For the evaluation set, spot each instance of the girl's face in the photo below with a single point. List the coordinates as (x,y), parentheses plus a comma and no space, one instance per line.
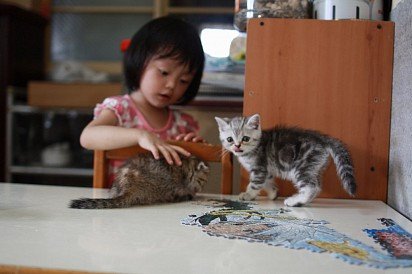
(164,81)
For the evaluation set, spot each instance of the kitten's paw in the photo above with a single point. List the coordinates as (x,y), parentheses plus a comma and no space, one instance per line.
(272,195)
(246,196)
(293,201)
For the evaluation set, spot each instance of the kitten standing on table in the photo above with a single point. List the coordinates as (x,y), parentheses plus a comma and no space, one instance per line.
(294,154)
(163,65)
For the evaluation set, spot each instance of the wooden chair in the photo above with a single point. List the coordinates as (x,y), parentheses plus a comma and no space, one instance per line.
(206,152)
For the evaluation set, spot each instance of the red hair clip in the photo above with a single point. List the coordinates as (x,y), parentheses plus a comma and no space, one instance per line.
(125,44)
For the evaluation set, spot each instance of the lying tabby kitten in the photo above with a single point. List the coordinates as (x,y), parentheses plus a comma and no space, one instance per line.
(294,154)
(144,180)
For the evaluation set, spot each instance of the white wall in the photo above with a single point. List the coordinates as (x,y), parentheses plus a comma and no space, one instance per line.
(400,160)
(395,3)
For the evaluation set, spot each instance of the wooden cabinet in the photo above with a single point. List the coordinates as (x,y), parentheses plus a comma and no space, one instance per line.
(43,131)
(21,57)
(332,76)
(42,141)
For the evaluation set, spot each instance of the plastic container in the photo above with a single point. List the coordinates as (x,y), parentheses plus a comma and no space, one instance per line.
(246,9)
(348,9)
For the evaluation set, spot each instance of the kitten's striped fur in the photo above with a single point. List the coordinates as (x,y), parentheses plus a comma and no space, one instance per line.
(144,180)
(291,153)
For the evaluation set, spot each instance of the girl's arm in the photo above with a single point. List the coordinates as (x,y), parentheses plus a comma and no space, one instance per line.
(104,133)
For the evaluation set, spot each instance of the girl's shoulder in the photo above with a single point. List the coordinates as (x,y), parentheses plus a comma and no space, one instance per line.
(123,107)
(116,100)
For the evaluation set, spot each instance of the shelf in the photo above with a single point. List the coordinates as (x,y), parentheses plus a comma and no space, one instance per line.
(103,9)
(200,10)
(39,170)
(61,110)
(212,102)
(44,94)
(141,10)
(16,107)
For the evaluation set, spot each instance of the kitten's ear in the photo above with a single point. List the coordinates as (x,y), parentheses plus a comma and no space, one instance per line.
(202,166)
(222,123)
(253,121)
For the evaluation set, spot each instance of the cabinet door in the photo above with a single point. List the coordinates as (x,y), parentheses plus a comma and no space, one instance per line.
(332,76)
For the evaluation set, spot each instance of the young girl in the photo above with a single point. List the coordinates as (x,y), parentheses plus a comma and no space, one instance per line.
(163,65)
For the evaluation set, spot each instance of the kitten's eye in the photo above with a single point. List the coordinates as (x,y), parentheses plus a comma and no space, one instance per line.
(229,139)
(245,139)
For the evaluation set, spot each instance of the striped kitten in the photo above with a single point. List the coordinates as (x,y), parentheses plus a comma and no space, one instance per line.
(290,153)
(143,180)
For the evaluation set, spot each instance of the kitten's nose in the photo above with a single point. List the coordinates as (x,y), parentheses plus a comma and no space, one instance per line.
(238,146)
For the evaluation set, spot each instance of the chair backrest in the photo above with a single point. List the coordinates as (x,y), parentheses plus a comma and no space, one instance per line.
(206,152)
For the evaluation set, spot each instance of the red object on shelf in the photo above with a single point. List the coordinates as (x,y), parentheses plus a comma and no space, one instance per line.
(45,8)
(124,44)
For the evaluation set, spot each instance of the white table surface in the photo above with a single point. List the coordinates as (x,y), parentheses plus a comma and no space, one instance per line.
(37,229)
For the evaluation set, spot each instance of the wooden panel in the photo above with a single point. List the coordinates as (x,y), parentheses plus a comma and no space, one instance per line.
(51,94)
(332,76)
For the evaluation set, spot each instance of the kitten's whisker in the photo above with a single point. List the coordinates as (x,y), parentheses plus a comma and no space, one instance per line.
(217,153)
(223,152)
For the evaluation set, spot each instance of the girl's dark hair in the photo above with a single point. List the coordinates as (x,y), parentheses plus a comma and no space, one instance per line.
(165,37)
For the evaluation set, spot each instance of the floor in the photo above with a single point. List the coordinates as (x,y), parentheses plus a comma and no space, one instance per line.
(37,229)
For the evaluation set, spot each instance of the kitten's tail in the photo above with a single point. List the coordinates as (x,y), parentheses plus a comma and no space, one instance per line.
(343,163)
(102,203)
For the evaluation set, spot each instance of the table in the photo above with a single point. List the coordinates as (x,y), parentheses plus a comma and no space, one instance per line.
(38,230)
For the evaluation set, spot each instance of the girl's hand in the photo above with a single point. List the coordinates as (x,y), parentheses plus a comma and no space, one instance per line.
(157,146)
(190,137)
